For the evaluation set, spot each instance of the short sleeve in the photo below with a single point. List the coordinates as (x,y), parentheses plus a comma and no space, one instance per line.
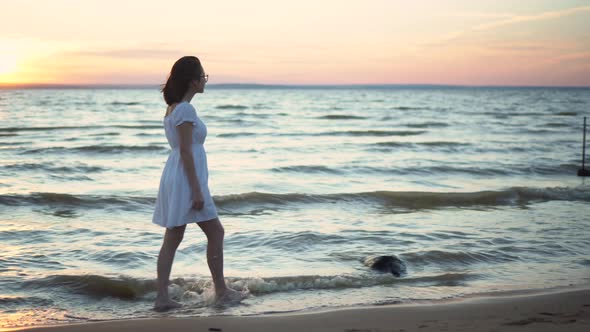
(185,112)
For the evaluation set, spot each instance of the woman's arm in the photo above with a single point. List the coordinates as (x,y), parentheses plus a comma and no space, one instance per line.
(186,154)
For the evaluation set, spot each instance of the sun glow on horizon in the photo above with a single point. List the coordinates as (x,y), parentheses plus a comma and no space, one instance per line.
(8,67)
(487,42)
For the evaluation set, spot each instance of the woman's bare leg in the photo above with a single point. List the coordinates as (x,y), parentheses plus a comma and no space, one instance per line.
(172,239)
(215,233)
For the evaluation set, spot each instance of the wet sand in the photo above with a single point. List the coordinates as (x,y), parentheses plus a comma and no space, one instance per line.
(559,310)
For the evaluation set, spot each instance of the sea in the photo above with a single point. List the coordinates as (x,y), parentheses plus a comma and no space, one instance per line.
(475,189)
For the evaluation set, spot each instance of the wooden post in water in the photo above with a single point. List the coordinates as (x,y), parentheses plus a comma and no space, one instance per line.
(583,171)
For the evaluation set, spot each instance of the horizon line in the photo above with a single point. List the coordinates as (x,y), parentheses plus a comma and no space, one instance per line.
(265,85)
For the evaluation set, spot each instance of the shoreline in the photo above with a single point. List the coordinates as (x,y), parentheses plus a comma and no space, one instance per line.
(558,309)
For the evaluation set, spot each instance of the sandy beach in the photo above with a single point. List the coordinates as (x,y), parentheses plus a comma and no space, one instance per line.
(562,310)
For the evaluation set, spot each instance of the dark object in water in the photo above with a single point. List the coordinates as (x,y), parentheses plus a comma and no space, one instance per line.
(387,264)
(583,171)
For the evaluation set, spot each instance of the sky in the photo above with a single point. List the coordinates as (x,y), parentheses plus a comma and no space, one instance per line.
(460,42)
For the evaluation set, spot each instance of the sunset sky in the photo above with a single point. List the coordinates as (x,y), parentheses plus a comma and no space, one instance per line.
(466,42)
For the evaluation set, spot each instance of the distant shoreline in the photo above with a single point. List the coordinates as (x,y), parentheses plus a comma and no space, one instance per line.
(281,86)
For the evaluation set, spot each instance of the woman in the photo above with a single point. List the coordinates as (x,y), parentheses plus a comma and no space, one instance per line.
(183,196)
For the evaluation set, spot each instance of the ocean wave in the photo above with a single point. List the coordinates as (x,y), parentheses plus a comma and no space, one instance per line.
(145,135)
(285,240)
(556,125)
(107,134)
(68,177)
(567,113)
(262,286)
(341,117)
(417,200)
(33,301)
(408,108)
(358,133)
(437,144)
(502,114)
(231,107)
(17,129)
(471,170)
(576,101)
(456,258)
(125,259)
(370,133)
(254,114)
(32,261)
(14,144)
(5,130)
(125,103)
(25,236)
(540,131)
(99,149)
(97,286)
(241,134)
(307,169)
(68,200)
(136,126)
(409,170)
(52,167)
(427,125)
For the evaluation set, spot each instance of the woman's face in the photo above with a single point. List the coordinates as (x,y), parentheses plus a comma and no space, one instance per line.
(200,83)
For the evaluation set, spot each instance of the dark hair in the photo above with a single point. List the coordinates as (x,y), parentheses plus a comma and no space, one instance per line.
(183,71)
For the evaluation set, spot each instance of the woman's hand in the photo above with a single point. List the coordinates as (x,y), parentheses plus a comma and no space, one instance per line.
(197,200)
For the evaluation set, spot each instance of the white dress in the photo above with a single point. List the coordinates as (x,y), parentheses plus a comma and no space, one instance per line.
(174,201)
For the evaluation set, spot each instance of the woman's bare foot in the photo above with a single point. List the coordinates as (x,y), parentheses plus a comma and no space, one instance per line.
(165,305)
(229,296)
